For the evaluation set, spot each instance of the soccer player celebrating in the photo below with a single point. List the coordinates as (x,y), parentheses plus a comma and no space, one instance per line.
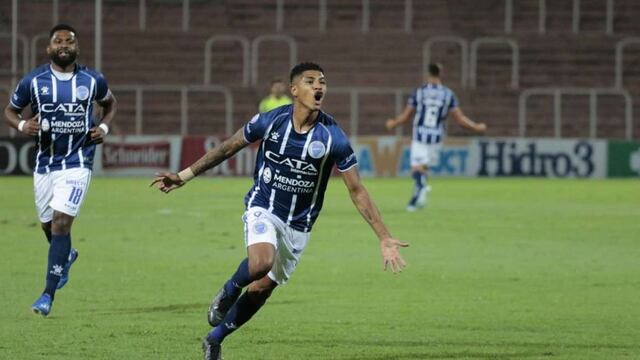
(429,106)
(62,96)
(299,145)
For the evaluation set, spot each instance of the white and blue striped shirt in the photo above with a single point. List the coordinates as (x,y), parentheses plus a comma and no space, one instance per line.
(432,103)
(292,169)
(65,109)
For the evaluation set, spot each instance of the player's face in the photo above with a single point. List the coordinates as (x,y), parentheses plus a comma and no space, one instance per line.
(63,48)
(309,89)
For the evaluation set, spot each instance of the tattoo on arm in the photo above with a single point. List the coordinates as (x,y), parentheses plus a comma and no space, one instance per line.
(367,216)
(220,153)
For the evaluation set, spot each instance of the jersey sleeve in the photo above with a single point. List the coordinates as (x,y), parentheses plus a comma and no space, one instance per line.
(21,97)
(102,88)
(454,101)
(344,156)
(412,101)
(256,128)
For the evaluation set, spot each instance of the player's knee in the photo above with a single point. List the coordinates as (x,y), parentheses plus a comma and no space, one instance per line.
(260,266)
(61,223)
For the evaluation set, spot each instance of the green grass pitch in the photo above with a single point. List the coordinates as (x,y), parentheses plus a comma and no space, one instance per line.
(497,269)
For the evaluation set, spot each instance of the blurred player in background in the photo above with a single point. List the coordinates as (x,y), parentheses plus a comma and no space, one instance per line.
(428,107)
(299,145)
(276,98)
(62,96)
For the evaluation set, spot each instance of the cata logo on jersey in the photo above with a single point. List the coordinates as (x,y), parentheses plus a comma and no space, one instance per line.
(295,165)
(69,109)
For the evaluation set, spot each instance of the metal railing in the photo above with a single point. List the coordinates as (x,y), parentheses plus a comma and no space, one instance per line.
(25,54)
(464,58)
(142,15)
(365,25)
(244,42)
(515,58)
(255,47)
(184,91)
(542,16)
(619,70)
(354,93)
(33,52)
(557,107)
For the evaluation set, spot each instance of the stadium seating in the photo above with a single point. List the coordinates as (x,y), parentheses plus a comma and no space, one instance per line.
(379,50)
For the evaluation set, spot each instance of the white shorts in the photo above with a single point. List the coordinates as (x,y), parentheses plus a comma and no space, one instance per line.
(61,190)
(425,154)
(261,226)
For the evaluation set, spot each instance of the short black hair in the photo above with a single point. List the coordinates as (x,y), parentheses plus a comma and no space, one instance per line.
(276,80)
(302,67)
(62,27)
(434,69)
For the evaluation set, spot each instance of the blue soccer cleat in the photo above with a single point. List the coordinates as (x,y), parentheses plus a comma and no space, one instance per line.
(219,306)
(212,350)
(73,255)
(43,305)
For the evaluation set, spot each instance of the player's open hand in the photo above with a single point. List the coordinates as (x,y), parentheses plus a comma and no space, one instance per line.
(391,257)
(390,124)
(97,135)
(481,127)
(31,126)
(166,182)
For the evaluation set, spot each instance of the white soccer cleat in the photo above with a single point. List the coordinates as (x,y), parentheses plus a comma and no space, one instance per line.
(422,197)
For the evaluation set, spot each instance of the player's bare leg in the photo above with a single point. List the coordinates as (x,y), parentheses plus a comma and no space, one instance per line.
(260,258)
(247,305)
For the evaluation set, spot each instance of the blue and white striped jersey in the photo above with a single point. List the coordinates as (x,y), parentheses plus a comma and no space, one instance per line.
(65,108)
(432,103)
(292,169)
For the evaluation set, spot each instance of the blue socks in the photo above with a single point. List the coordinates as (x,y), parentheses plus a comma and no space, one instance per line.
(239,314)
(58,256)
(239,280)
(420,182)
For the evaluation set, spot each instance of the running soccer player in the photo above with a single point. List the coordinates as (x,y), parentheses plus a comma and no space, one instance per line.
(429,106)
(299,145)
(62,96)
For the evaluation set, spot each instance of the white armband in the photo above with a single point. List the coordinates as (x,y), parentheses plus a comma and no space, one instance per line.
(104,128)
(21,125)
(186,174)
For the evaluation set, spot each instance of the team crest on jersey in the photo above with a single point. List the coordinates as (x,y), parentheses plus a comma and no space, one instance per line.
(274,136)
(82,92)
(316,149)
(266,175)
(44,125)
(44,90)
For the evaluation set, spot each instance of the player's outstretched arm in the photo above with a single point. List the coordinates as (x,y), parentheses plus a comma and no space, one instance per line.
(389,246)
(167,182)
(467,123)
(404,116)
